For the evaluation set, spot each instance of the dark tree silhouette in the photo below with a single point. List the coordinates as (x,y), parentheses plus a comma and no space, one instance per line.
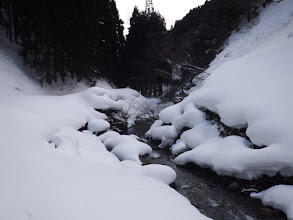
(139,60)
(79,38)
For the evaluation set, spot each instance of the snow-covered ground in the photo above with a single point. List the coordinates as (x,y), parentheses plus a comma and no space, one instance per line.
(51,170)
(249,84)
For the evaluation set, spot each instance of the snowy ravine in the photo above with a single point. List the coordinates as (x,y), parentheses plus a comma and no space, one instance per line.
(249,84)
(54,166)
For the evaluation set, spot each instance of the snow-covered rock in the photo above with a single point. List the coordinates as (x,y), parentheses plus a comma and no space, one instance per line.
(179,147)
(249,84)
(50,170)
(126,147)
(279,197)
(98,125)
(199,134)
(159,172)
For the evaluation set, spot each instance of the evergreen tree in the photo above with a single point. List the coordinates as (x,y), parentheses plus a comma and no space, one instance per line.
(145,28)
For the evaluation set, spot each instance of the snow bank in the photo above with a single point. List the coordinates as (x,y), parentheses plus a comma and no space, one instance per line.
(14,81)
(17,79)
(50,170)
(250,84)
(255,89)
(279,197)
(233,156)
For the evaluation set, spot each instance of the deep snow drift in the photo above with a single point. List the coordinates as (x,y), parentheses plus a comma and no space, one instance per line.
(248,84)
(51,170)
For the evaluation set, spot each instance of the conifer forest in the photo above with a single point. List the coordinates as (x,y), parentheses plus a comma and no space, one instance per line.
(84,40)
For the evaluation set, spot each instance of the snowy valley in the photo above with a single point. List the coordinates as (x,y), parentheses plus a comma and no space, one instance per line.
(60,157)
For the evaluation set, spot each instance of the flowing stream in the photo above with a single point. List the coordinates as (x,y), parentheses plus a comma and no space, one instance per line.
(216,197)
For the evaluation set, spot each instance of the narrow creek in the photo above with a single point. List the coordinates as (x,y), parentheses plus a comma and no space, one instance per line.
(206,190)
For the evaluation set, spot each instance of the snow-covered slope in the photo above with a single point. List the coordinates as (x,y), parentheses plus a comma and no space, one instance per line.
(52,170)
(249,84)
(14,79)
(17,79)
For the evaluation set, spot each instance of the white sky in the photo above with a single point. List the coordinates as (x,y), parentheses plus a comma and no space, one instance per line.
(171,10)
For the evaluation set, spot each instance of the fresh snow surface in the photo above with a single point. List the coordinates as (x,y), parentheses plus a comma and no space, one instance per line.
(279,197)
(51,170)
(249,84)
(14,81)
(162,173)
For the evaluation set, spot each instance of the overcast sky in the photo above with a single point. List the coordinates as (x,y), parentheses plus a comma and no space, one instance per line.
(171,10)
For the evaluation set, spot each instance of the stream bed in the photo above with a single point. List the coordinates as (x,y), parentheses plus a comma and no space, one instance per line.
(219,198)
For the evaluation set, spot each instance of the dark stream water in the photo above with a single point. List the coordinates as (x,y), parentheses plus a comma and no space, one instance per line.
(216,197)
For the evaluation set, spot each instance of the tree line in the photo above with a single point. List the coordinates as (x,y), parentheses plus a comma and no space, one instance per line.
(81,39)
(201,34)
(84,39)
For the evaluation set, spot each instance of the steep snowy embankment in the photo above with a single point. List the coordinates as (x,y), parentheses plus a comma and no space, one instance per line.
(250,84)
(14,81)
(52,170)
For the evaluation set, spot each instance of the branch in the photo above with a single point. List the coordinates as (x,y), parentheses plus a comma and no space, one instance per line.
(188,66)
(162,71)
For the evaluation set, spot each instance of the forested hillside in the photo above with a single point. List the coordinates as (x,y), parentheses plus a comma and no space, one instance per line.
(155,57)
(200,35)
(81,39)
(84,40)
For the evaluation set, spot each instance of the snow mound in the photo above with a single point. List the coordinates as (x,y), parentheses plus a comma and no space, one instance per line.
(50,170)
(279,197)
(229,156)
(159,172)
(178,147)
(107,135)
(166,134)
(130,103)
(98,125)
(199,134)
(126,147)
(103,99)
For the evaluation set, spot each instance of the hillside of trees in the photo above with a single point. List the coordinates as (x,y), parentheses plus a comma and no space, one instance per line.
(154,57)
(199,36)
(84,39)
